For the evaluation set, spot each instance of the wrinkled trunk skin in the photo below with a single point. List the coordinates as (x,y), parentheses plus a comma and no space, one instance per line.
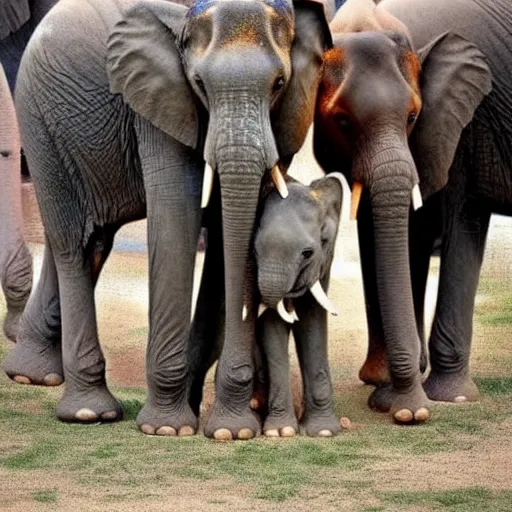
(15,260)
(391,198)
(274,283)
(236,149)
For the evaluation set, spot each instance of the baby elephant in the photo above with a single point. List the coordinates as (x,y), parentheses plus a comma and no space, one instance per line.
(294,247)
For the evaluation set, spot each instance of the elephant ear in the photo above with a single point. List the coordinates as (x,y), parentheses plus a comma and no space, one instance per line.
(144,66)
(329,193)
(455,78)
(295,115)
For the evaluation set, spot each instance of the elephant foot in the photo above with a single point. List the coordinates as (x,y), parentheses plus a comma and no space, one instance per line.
(281,425)
(451,387)
(375,370)
(409,407)
(35,363)
(320,424)
(11,322)
(225,425)
(94,404)
(155,421)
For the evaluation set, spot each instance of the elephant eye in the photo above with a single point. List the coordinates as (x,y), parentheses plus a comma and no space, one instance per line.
(411,118)
(307,254)
(200,84)
(278,84)
(344,123)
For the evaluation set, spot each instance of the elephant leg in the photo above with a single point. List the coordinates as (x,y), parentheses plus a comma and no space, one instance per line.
(464,234)
(37,358)
(208,325)
(375,369)
(86,397)
(273,334)
(424,228)
(172,178)
(310,334)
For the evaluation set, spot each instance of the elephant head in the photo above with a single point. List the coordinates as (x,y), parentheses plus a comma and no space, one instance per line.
(294,241)
(390,118)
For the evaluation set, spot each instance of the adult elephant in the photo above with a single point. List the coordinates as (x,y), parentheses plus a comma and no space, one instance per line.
(417,92)
(15,260)
(232,83)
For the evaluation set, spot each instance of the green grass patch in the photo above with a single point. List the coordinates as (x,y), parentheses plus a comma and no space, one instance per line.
(37,456)
(463,500)
(494,386)
(49,496)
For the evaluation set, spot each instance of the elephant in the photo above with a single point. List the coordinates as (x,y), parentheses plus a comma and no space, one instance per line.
(293,249)
(117,122)
(414,106)
(15,259)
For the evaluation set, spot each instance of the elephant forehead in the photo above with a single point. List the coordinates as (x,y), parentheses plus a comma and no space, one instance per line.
(201,6)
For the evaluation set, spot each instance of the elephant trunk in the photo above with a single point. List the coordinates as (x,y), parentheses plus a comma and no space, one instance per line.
(274,282)
(390,195)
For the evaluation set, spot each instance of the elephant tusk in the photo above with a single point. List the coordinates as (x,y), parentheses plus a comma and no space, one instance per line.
(345,205)
(207,185)
(357,190)
(244,313)
(279,182)
(318,292)
(261,309)
(417,201)
(294,315)
(287,317)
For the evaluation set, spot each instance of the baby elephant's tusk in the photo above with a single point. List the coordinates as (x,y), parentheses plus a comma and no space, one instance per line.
(294,315)
(318,292)
(346,199)
(417,201)
(261,309)
(357,190)
(279,182)
(287,317)
(207,185)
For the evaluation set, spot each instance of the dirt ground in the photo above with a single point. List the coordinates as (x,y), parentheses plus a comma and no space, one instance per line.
(122,303)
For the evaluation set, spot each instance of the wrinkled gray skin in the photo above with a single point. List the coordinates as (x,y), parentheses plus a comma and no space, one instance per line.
(201,84)
(15,260)
(294,247)
(368,125)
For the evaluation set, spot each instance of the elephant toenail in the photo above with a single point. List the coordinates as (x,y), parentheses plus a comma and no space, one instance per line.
(324,433)
(86,415)
(460,399)
(245,433)
(21,379)
(403,416)
(53,379)
(223,434)
(422,414)
(147,429)
(273,432)
(166,431)
(110,415)
(186,430)
(288,432)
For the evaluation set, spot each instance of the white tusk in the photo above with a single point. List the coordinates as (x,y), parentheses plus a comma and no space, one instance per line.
(207,185)
(357,190)
(261,309)
(417,201)
(279,182)
(345,205)
(283,313)
(294,314)
(318,292)
(244,313)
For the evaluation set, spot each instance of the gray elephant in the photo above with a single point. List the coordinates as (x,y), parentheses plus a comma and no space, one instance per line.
(416,105)
(15,259)
(117,121)
(294,248)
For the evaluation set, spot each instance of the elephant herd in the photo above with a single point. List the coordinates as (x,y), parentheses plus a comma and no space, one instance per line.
(190,114)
